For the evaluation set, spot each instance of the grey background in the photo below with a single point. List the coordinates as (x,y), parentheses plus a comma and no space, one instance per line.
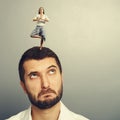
(86,36)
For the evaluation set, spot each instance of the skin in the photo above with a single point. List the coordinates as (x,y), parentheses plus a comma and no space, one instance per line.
(41,75)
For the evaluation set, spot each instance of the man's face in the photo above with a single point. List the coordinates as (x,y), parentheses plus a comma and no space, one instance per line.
(43,82)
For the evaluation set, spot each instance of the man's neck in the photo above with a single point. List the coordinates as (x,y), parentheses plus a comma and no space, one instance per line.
(46,114)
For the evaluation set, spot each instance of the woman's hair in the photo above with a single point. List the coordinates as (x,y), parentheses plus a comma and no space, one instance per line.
(39,10)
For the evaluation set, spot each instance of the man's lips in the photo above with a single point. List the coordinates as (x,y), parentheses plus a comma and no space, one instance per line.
(47,92)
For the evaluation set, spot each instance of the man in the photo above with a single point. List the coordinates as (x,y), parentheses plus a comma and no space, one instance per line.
(40,73)
(39,32)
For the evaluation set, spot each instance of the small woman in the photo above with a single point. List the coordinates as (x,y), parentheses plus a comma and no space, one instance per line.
(39,32)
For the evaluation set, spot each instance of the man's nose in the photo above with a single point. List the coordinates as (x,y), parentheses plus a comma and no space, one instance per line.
(45,82)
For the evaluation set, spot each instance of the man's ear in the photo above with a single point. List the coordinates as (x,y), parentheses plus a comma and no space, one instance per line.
(23,86)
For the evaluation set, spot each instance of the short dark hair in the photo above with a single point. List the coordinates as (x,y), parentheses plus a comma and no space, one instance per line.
(37,54)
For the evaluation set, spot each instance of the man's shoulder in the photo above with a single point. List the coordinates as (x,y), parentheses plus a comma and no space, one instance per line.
(20,115)
(71,115)
(78,116)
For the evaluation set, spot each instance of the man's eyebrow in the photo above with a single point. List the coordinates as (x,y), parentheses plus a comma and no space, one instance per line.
(52,66)
(34,72)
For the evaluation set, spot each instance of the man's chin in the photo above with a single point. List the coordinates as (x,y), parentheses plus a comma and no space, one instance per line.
(47,103)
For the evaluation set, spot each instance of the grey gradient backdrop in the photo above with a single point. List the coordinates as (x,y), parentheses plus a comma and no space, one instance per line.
(86,36)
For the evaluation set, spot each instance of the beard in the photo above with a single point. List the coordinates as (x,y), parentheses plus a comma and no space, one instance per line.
(48,103)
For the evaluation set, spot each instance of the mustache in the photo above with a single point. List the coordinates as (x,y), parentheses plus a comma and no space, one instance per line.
(46,91)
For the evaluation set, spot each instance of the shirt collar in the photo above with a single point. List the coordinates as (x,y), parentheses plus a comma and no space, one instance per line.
(64,115)
(62,112)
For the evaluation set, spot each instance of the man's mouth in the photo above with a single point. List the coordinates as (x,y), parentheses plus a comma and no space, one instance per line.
(47,93)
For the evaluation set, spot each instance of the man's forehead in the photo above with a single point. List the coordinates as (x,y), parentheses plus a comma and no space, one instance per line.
(43,62)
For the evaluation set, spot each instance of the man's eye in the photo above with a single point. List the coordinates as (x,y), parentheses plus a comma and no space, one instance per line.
(33,76)
(52,71)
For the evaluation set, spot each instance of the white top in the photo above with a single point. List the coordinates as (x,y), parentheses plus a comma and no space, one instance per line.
(41,23)
(65,114)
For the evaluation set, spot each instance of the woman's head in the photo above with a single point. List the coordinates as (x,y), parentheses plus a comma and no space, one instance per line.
(41,10)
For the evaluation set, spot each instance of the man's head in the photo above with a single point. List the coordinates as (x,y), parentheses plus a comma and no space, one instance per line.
(40,73)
